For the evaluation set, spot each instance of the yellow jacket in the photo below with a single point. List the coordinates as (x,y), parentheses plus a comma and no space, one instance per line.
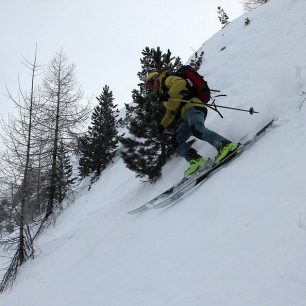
(177,89)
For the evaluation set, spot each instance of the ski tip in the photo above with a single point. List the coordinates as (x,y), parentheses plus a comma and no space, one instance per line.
(137,210)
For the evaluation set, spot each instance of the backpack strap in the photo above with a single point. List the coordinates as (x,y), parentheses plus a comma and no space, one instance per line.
(163,82)
(187,95)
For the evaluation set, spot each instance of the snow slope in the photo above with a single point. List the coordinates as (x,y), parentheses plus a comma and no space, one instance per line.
(239,239)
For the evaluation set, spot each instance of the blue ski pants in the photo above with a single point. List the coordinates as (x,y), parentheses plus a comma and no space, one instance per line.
(193,124)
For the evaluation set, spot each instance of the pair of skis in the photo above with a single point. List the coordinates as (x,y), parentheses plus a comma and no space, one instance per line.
(179,190)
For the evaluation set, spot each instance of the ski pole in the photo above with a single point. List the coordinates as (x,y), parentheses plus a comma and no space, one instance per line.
(251,110)
(214,106)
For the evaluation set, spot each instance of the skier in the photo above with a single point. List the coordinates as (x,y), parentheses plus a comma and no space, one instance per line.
(171,90)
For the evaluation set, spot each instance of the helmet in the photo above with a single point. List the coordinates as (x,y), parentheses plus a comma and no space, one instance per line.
(151,75)
(152,81)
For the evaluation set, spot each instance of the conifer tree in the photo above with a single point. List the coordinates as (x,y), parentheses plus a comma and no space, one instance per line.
(197,60)
(85,156)
(145,151)
(222,17)
(65,179)
(100,144)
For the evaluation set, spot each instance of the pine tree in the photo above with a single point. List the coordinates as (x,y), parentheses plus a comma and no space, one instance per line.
(197,60)
(85,156)
(222,17)
(145,151)
(65,179)
(100,144)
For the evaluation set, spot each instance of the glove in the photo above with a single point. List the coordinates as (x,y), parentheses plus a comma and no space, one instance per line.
(163,97)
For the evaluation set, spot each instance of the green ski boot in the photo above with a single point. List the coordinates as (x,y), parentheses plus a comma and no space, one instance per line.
(196,161)
(225,151)
(195,165)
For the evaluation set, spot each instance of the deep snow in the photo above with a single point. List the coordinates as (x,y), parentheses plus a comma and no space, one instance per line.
(239,239)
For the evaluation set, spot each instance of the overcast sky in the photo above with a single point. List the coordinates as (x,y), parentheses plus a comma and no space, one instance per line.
(104,39)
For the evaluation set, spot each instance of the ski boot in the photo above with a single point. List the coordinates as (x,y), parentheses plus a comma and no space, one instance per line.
(196,162)
(225,151)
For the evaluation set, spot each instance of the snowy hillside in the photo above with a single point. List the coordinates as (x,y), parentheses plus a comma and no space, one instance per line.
(240,238)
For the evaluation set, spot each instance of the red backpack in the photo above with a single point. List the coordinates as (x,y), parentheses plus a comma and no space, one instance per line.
(196,84)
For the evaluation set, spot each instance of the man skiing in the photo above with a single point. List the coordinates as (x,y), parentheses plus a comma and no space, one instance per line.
(178,100)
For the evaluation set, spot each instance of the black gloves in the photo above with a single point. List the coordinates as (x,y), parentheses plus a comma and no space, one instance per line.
(163,97)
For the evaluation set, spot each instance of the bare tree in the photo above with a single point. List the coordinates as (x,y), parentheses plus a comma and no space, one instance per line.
(250,5)
(16,164)
(36,162)
(64,115)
